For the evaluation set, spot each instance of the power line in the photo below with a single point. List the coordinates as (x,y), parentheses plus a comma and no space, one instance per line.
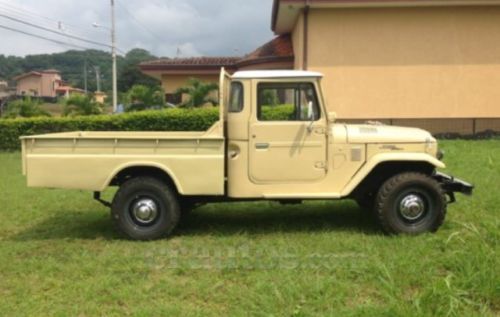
(43,37)
(53,31)
(58,26)
(39,16)
(27,17)
(138,22)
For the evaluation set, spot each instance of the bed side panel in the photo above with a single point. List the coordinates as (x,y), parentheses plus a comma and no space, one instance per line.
(195,165)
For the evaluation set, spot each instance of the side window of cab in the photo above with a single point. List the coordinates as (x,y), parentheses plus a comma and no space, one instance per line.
(236,97)
(287,102)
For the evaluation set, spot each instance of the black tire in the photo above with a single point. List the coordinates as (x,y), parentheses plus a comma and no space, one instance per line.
(145,208)
(410,203)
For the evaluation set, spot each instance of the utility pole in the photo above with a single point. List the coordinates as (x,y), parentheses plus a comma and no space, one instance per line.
(85,76)
(98,77)
(113,54)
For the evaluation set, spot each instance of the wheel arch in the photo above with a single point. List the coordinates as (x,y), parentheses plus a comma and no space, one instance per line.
(132,170)
(383,166)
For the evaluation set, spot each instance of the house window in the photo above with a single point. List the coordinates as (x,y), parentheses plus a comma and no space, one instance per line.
(287,102)
(236,100)
(174,99)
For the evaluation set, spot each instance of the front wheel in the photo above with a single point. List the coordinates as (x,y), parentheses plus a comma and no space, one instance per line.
(410,203)
(145,208)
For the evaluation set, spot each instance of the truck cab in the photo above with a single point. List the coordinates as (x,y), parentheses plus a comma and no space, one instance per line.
(284,143)
(275,140)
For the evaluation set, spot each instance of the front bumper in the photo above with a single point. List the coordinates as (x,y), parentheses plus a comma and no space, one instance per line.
(452,185)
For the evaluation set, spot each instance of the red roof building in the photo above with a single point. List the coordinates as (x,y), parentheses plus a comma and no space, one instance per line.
(38,84)
(402,61)
(174,73)
(275,54)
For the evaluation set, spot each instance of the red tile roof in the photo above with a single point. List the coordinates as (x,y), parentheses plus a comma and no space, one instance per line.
(278,49)
(37,73)
(194,62)
(51,71)
(68,88)
(32,73)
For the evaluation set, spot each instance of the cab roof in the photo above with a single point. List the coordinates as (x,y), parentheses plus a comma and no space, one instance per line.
(275,74)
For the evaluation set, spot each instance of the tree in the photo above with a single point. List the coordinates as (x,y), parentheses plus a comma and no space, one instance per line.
(71,65)
(141,97)
(25,108)
(198,93)
(269,97)
(131,75)
(138,55)
(81,105)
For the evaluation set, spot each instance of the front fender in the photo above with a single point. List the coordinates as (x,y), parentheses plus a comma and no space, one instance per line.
(377,159)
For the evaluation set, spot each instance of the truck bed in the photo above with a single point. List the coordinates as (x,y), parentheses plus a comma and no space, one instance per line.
(90,160)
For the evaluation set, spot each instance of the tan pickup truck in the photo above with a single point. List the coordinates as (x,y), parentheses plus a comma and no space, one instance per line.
(275,140)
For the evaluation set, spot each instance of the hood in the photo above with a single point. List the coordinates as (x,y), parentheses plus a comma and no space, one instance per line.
(368,133)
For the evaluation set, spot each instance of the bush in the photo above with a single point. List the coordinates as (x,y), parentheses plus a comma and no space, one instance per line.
(166,120)
(26,108)
(277,113)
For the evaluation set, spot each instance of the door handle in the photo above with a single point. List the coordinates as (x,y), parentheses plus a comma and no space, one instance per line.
(261,146)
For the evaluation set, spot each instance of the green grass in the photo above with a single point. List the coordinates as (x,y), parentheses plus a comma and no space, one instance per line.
(59,255)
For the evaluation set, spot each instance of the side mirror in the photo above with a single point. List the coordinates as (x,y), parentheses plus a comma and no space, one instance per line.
(332,116)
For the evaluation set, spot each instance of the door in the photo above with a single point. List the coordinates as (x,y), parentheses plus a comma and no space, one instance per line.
(224,86)
(288,134)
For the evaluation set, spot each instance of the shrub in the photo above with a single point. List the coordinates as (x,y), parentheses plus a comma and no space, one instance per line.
(25,108)
(165,120)
(81,105)
(277,113)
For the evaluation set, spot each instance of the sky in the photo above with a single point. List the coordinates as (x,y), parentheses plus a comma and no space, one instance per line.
(171,28)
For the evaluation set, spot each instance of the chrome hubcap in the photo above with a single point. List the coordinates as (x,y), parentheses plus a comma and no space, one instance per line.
(412,207)
(145,211)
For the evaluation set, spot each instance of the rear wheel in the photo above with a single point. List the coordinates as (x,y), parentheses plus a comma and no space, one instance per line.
(145,208)
(410,203)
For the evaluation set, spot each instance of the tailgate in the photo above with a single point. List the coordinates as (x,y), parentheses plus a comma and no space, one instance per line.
(23,155)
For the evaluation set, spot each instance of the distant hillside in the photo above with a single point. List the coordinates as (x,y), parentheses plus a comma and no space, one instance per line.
(71,65)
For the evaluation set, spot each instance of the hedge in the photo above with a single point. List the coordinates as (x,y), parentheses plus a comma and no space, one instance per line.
(163,120)
(277,113)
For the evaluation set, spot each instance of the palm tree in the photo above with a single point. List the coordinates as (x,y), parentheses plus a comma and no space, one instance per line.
(141,97)
(198,93)
(25,108)
(81,105)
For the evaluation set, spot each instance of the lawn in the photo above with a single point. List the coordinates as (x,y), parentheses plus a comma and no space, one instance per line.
(59,255)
